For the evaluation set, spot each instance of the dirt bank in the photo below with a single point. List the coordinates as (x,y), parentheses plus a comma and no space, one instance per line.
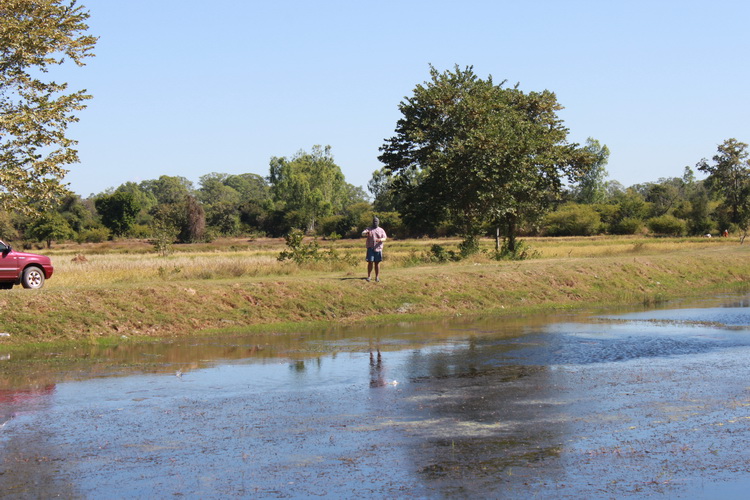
(165,309)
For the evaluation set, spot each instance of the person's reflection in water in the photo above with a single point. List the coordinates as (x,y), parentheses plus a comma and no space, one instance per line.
(377,371)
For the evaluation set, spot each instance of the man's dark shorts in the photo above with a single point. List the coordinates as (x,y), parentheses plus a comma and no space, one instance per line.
(373,256)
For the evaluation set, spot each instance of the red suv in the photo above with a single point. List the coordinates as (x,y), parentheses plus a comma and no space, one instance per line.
(27,269)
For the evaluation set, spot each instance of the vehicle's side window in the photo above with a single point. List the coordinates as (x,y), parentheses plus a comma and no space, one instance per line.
(3,248)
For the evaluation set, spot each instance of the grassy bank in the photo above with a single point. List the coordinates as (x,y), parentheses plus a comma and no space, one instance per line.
(128,291)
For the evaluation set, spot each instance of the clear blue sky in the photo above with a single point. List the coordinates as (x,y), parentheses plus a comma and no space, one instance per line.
(186,87)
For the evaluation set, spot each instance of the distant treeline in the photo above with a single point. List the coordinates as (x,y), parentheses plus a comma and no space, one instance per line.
(309,192)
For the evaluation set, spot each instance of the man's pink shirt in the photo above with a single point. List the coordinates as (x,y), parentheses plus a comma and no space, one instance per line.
(376,233)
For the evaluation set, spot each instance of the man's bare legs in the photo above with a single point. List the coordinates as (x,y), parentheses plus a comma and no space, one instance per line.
(376,265)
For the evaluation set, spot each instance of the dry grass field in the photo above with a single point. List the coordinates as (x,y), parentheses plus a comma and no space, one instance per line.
(129,261)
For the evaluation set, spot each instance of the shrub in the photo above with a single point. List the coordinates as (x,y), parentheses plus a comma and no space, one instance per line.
(628,225)
(573,220)
(469,246)
(607,213)
(93,235)
(439,254)
(140,231)
(164,234)
(332,224)
(521,252)
(298,251)
(667,225)
(301,252)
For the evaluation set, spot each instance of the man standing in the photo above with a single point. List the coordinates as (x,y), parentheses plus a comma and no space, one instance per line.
(375,238)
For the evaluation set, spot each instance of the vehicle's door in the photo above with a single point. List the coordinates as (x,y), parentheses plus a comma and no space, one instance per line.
(8,263)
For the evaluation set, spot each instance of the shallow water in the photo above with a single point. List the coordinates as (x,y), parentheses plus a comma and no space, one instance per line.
(646,403)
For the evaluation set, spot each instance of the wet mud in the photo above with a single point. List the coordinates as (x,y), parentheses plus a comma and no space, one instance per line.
(642,404)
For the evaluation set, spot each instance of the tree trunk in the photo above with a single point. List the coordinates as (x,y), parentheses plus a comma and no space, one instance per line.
(511,235)
(497,239)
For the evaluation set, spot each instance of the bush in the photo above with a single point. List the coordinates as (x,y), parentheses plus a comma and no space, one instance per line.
(521,252)
(140,231)
(332,224)
(93,235)
(573,220)
(607,213)
(439,254)
(301,252)
(469,246)
(628,225)
(668,225)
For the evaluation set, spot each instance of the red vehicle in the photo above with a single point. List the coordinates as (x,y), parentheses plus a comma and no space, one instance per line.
(27,269)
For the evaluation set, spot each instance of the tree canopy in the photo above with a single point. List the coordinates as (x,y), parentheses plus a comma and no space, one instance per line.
(729,176)
(168,189)
(592,188)
(35,113)
(488,155)
(118,211)
(309,186)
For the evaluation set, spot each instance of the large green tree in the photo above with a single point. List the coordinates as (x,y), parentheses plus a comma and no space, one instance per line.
(214,189)
(592,188)
(35,110)
(80,214)
(252,187)
(389,193)
(308,187)
(221,203)
(185,219)
(233,202)
(168,189)
(489,155)
(145,199)
(729,177)
(118,211)
(49,227)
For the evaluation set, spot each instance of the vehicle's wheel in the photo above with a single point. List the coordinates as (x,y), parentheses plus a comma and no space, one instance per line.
(6,286)
(33,277)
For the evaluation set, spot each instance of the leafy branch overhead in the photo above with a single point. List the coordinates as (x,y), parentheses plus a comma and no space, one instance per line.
(35,111)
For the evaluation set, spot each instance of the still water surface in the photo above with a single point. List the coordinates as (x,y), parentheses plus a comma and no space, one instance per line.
(647,403)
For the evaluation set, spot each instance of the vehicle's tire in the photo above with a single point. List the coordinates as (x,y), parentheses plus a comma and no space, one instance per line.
(6,286)
(33,277)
